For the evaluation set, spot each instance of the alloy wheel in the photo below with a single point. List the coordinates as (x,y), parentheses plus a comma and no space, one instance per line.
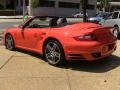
(53,52)
(9,42)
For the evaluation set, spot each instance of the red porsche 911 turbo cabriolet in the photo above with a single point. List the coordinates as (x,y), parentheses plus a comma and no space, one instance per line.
(58,41)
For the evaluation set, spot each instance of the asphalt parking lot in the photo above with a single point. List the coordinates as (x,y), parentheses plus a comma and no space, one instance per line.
(21,70)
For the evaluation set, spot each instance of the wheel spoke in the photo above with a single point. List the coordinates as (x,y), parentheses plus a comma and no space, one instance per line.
(49,48)
(57,54)
(54,47)
(53,52)
(9,42)
(48,55)
(53,59)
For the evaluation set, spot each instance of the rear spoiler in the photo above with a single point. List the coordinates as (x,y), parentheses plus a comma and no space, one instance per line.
(104,28)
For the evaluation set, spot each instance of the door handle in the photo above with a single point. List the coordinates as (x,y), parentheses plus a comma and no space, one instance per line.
(43,33)
(39,35)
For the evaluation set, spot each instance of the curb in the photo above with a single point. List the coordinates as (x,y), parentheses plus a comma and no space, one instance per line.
(11,17)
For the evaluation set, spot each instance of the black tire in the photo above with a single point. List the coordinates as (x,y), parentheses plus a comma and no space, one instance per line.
(116,32)
(54,53)
(118,35)
(9,42)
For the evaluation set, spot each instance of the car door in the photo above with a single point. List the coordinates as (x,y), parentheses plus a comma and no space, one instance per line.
(34,33)
(31,35)
(19,34)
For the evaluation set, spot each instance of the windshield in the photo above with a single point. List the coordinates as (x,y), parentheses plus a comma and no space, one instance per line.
(44,22)
(104,15)
(101,14)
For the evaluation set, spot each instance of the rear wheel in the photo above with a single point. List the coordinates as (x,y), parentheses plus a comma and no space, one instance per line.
(9,42)
(54,53)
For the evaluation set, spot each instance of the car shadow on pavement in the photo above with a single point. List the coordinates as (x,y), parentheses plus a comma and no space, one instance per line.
(100,66)
(39,56)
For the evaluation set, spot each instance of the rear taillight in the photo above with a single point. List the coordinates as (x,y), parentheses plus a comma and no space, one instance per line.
(89,37)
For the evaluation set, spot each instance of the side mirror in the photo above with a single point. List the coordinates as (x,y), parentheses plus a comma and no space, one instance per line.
(21,26)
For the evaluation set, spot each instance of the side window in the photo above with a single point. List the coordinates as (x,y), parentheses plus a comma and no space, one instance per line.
(39,23)
(115,15)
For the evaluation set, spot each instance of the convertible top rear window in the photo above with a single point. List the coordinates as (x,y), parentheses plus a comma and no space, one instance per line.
(45,22)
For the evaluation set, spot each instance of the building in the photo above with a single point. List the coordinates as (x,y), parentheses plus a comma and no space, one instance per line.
(51,7)
(61,7)
(19,5)
(16,5)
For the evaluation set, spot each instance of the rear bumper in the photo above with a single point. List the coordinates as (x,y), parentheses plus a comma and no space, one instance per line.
(90,52)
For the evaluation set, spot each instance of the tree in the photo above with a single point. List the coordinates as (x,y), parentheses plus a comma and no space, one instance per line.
(84,7)
(3,3)
(104,4)
(35,3)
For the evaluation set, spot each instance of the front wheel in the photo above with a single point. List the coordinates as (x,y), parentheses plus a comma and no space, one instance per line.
(9,42)
(54,53)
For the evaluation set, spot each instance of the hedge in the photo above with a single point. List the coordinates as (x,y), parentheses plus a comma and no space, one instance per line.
(7,12)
